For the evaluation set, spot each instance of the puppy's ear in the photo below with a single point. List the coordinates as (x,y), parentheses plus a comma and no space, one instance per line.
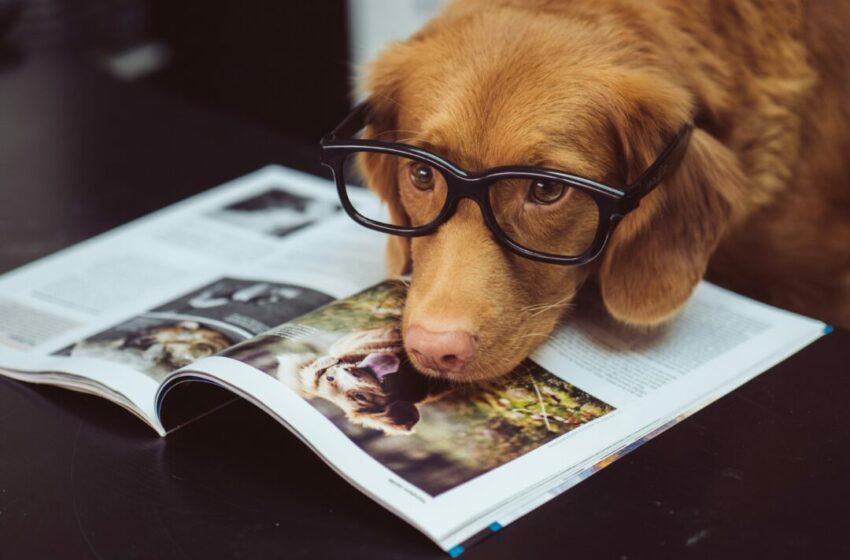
(400,417)
(382,84)
(660,251)
(397,418)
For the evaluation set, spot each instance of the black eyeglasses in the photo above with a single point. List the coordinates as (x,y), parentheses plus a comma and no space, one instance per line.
(539,213)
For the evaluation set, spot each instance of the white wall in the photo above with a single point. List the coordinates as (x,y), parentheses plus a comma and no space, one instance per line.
(373,23)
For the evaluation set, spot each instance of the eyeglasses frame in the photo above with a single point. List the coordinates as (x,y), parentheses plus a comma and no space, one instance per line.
(613,203)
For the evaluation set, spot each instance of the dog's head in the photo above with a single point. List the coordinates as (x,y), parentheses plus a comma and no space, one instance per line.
(372,390)
(580,93)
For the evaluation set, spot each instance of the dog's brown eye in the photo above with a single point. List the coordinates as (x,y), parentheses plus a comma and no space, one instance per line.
(360,397)
(422,176)
(546,192)
(330,378)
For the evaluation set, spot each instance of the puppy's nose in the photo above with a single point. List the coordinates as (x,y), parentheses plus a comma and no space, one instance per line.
(445,352)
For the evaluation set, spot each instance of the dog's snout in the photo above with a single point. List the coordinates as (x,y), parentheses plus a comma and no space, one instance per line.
(446,352)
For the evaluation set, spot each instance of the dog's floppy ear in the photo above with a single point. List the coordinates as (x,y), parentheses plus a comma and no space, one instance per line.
(382,84)
(397,418)
(402,415)
(660,251)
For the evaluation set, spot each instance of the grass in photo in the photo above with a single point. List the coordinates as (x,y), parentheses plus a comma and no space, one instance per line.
(347,359)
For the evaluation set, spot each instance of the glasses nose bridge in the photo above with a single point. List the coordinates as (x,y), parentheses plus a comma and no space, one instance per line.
(472,188)
(475,189)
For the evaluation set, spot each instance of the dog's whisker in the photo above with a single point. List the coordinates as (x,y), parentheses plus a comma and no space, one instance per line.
(387,98)
(537,306)
(529,335)
(540,308)
(392,132)
(407,139)
(545,306)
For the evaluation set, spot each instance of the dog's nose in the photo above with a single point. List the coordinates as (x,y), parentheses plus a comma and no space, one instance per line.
(445,352)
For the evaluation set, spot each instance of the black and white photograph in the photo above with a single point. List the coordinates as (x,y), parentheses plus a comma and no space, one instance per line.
(197,325)
(275,212)
(250,305)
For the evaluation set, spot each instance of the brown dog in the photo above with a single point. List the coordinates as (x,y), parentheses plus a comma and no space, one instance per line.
(597,87)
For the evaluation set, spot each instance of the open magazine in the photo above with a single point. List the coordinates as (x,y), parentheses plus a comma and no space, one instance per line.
(264,289)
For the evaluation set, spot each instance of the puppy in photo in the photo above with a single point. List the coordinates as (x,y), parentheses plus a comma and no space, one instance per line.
(535,147)
(362,373)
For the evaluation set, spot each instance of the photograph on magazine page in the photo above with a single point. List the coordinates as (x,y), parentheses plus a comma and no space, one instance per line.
(347,360)
(274,212)
(198,324)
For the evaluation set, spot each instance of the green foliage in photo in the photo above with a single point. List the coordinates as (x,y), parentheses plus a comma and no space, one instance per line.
(378,306)
(483,427)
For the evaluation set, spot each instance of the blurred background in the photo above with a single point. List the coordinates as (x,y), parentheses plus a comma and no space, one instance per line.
(284,64)
(111,109)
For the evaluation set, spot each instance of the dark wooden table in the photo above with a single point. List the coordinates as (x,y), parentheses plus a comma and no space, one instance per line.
(762,473)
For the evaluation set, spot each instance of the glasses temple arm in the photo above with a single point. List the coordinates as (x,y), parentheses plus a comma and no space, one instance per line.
(664,166)
(354,122)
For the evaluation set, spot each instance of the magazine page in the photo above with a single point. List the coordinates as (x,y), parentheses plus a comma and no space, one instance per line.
(457,460)
(118,313)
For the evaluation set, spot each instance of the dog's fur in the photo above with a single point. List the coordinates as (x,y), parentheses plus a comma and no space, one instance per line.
(385,402)
(598,87)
